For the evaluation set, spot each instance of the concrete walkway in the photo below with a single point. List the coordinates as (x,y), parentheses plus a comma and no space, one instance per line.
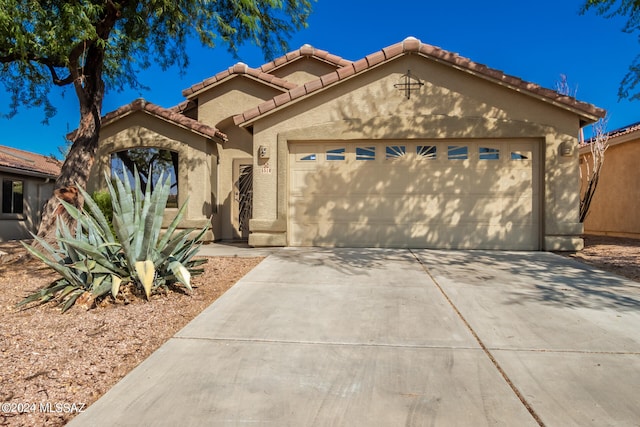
(375,337)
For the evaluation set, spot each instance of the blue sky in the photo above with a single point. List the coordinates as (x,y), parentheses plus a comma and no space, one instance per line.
(536,41)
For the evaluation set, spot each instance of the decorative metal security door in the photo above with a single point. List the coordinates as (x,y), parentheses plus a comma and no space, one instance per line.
(243,189)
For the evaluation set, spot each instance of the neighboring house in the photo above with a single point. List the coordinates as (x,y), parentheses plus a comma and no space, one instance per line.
(27,183)
(616,202)
(411,146)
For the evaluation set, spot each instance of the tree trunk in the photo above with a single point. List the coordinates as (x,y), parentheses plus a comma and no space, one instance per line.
(75,173)
(77,166)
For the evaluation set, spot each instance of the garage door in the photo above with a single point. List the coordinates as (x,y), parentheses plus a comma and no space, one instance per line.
(423,194)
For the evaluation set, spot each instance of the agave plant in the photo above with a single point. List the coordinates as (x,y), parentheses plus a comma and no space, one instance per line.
(100,257)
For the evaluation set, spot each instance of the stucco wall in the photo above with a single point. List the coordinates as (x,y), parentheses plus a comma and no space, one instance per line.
(615,205)
(303,70)
(216,107)
(197,163)
(36,192)
(451,104)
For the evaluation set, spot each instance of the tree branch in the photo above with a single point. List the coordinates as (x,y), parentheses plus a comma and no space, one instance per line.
(57,80)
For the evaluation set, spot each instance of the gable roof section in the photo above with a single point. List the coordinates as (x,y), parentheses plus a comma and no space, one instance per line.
(28,163)
(306,51)
(411,45)
(169,115)
(239,69)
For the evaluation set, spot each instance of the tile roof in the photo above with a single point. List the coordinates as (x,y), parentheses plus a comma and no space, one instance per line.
(306,51)
(170,115)
(624,130)
(412,45)
(183,106)
(29,163)
(239,69)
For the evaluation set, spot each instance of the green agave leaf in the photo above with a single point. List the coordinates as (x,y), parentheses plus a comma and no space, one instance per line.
(172,227)
(66,291)
(45,294)
(46,246)
(61,269)
(101,285)
(156,203)
(96,254)
(72,300)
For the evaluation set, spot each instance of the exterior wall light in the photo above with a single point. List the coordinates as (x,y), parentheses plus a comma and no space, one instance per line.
(566,149)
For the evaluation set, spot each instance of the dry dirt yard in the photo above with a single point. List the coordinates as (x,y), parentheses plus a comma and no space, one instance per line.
(49,360)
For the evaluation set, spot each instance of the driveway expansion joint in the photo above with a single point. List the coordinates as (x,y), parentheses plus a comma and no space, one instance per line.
(486,350)
(328,343)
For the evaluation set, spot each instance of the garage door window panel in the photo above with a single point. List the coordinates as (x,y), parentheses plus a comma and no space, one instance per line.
(366,153)
(426,152)
(395,152)
(488,153)
(335,154)
(458,152)
(520,155)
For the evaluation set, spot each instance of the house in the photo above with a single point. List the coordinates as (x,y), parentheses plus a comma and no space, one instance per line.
(616,202)
(411,146)
(27,183)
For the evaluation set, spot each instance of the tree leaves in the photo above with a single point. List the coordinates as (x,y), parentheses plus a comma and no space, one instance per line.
(46,43)
(631,10)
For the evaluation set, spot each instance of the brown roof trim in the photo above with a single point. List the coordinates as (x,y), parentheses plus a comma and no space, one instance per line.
(306,51)
(634,127)
(184,106)
(169,115)
(23,162)
(239,69)
(411,45)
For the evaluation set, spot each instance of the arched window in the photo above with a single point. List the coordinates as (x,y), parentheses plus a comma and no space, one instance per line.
(150,163)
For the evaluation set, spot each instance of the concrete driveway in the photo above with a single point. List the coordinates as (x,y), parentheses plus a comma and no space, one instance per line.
(378,337)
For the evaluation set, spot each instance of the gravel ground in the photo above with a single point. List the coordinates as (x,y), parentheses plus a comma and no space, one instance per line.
(53,365)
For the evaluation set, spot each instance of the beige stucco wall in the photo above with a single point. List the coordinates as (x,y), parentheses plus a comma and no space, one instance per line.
(303,70)
(216,107)
(452,104)
(197,163)
(36,192)
(615,205)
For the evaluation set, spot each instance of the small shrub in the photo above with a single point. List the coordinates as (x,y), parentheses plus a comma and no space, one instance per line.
(99,257)
(103,200)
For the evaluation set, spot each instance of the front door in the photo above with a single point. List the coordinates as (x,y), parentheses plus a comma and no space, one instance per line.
(242,196)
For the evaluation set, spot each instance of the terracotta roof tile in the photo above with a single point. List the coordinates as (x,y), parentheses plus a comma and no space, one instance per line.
(238,69)
(360,65)
(297,92)
(634,127)
(413,45)
(167,114)
(391,51)
(29,163)
(305,51)
(345,72)
(282,99)
(267,106)
(313,85)
(327,79)
(183,106)
(375,58)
